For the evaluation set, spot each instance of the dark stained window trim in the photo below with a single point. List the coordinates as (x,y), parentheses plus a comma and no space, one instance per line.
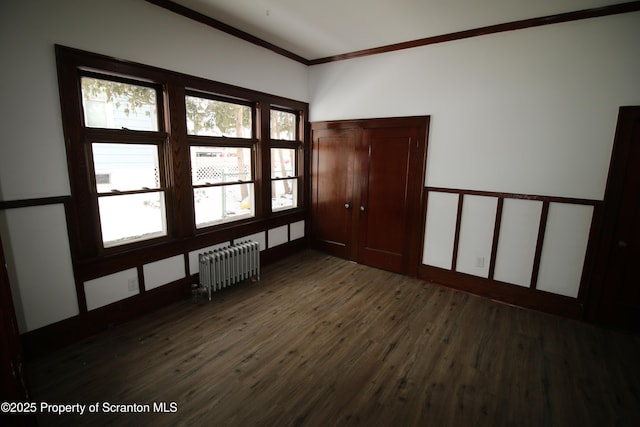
(183,234)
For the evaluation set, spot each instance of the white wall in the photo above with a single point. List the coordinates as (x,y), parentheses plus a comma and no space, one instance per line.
(530,111)
(33,161)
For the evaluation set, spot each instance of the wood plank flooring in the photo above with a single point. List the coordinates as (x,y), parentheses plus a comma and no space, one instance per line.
(321,341)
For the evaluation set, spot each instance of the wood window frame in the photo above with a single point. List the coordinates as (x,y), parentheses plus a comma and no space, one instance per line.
(296,144)
(182,234)
(252,143)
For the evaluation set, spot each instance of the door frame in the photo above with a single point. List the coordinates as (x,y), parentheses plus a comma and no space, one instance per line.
(595,307)
(415,223)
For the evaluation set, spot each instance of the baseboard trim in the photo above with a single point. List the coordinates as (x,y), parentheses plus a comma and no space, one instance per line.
(504,292)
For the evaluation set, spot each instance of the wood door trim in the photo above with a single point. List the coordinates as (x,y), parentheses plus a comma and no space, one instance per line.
(372,123)
(601,245)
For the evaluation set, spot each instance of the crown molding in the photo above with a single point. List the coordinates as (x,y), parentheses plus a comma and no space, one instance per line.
(597,12)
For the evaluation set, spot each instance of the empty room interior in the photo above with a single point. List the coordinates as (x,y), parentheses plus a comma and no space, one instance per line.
(296,213)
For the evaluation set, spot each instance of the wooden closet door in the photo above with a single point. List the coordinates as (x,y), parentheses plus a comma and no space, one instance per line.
(332,191)
(390,187)
(367,190)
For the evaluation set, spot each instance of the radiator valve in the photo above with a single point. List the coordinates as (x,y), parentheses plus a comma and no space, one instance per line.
(197,291)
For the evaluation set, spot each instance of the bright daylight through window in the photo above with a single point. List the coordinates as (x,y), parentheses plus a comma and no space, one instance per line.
(284,170)
(128,176)
(221,173)
(171,161)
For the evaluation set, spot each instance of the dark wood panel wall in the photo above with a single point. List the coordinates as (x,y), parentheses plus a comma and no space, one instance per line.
(530,296)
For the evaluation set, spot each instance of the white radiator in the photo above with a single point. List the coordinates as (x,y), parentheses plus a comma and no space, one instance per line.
(223,267)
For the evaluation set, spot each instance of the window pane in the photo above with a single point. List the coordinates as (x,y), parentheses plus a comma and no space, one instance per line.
(206,117)
(283,125)
(116,105)
(212,165)
(132,217)
(284,194)
(125,167)
(283,163)
(225,203)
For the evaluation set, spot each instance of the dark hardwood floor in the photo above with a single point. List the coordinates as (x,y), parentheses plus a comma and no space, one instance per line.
(320,341)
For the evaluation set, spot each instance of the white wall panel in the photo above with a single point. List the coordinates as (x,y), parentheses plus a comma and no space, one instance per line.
(296,230)
(39,265)
(440,229)
(165,271)
(564,248)
(111,288)
(257,237)
(476,235)
(278,236)
(517,242)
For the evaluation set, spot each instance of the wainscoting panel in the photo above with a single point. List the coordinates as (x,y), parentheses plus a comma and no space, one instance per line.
(440,230)
(39,265)
(108,289)
(476,235)
(278,236)
(164,271)
(296,230)
(523,249)
(517,244)
(565,245)
(258,237)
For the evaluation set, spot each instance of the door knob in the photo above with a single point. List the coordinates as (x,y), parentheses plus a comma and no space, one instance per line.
(347,205)
(362,208)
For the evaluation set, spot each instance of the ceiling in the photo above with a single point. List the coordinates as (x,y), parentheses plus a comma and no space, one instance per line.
(316,29)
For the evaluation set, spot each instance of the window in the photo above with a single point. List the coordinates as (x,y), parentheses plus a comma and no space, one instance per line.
(222,180)
(211,117)
(128,174)
(165,160)
(117,105)
(283,125)
(285,146)
(132,204)
(221,147)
